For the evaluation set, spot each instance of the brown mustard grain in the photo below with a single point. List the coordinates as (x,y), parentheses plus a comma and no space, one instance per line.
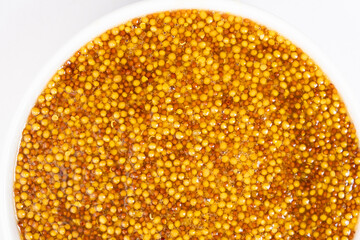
(188,125)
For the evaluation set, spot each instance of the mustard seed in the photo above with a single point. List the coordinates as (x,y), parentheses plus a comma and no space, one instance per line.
(188,124)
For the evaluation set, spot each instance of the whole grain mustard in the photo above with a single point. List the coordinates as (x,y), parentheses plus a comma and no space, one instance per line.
(188,125)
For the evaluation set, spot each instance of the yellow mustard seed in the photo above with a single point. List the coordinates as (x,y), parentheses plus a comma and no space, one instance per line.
(188,124)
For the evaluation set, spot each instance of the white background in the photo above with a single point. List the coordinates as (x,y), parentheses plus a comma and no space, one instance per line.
(31,31)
